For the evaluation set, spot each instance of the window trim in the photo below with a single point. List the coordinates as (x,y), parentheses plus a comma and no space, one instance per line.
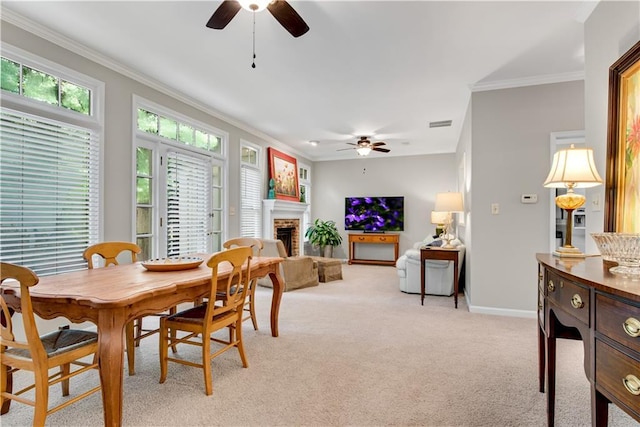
(259,167)
(138,101)
(94,120)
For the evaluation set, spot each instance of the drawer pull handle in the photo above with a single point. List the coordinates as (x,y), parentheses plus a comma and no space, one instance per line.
(360,238)
(551,286)
(632,384)
(576,301)
(632,327)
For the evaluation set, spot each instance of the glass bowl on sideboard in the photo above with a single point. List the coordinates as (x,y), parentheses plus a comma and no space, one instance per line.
(623,248)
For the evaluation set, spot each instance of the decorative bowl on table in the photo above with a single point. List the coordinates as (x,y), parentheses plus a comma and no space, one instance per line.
(172,264)
(623,248)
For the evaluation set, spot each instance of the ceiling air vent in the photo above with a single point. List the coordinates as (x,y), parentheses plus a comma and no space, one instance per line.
(440,124)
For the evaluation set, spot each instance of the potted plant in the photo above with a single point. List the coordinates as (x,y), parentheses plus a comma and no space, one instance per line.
(325,235)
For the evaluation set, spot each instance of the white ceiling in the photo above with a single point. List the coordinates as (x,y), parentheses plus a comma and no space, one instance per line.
(383,69)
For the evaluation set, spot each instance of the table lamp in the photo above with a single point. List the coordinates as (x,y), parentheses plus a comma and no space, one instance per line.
(449,203)
(572,168)
(440,219)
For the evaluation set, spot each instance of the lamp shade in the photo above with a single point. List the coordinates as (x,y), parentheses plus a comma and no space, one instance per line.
(449,202)
(575,166)
(440,217)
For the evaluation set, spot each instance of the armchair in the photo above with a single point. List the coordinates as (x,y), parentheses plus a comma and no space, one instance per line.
(438,274)
(296,271)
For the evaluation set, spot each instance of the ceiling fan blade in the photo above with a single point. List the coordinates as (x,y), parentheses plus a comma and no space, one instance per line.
(382,150)
(377,144)
(288,17)
(224,14)
(343,149)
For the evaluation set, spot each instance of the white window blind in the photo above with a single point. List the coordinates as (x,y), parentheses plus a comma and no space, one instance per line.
(188,204)
(251,202)
(49,192)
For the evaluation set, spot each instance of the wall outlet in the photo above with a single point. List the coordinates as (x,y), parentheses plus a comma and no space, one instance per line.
(529,198)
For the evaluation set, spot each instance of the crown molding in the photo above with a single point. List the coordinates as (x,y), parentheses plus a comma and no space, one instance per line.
(528,81)
(78,48)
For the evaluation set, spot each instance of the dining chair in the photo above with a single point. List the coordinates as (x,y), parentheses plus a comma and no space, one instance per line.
(109,252)
(200,322)
(256,245)
(39,354)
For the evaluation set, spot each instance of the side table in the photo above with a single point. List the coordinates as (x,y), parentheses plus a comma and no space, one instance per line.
(444,255)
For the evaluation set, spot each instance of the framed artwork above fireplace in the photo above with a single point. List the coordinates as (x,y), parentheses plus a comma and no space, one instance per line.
(283,169)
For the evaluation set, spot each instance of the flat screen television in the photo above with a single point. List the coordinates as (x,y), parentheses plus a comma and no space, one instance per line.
(374,214)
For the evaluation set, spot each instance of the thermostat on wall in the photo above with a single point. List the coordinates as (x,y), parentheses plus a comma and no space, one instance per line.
(529,198)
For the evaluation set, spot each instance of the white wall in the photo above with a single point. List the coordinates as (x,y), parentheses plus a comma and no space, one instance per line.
(610,31)
(417,178)
(465,185)
(510,139)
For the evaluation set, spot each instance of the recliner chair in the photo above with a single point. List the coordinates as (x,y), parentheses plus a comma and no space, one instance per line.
(296,271)
(438,274)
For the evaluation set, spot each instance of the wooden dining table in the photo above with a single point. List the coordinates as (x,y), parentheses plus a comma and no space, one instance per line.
(111,297)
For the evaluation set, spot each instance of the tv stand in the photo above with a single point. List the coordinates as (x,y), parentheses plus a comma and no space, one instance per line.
(373,238)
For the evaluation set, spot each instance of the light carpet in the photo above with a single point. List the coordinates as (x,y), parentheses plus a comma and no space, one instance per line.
(354,352)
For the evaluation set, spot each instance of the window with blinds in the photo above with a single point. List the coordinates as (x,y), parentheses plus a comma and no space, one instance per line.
(251,202)
(188,204)
(49,192)
(250,190)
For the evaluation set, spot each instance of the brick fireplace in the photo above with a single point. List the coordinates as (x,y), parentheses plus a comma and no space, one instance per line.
(283,214)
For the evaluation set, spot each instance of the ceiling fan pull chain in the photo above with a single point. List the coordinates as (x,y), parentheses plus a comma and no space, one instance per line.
(253,65)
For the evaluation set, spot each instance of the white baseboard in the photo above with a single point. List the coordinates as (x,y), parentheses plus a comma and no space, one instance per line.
(528,314)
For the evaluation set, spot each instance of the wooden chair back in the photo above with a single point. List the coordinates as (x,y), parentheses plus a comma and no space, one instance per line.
(233,291)
(253,243)
(109,251)
(26,278)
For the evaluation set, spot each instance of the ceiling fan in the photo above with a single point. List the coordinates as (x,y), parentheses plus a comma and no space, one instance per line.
(280,9)
(364,146)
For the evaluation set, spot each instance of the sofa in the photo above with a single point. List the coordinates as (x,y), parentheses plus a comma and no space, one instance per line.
(297,272)
(438,274)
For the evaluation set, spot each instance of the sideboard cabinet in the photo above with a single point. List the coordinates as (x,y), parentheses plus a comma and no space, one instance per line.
(580,299)
(375,239)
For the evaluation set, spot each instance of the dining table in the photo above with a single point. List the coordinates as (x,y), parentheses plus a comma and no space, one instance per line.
(113,296)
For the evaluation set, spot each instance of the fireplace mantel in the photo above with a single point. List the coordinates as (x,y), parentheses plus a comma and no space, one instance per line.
(282,209)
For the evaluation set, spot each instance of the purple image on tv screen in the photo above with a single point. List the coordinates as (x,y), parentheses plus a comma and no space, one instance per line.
(374,213)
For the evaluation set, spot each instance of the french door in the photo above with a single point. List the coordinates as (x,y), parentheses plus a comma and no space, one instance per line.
(179,201)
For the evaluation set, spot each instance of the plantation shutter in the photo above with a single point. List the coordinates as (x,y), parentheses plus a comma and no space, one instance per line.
(251,202)
(188,204)
(49,192)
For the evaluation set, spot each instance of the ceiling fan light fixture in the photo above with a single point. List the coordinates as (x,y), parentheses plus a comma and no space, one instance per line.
(363,151)
(254,5)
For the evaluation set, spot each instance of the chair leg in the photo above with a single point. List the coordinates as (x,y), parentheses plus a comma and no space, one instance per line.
(206,364)
(6,386)
(252,306)
(41,397)
(239,344)
(138,333)
(64,371)
(130,344)
(164,350)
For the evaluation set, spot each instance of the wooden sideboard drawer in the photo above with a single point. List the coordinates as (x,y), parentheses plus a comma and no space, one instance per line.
(376,238)
(570,296)
(619,375)
(618,320)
